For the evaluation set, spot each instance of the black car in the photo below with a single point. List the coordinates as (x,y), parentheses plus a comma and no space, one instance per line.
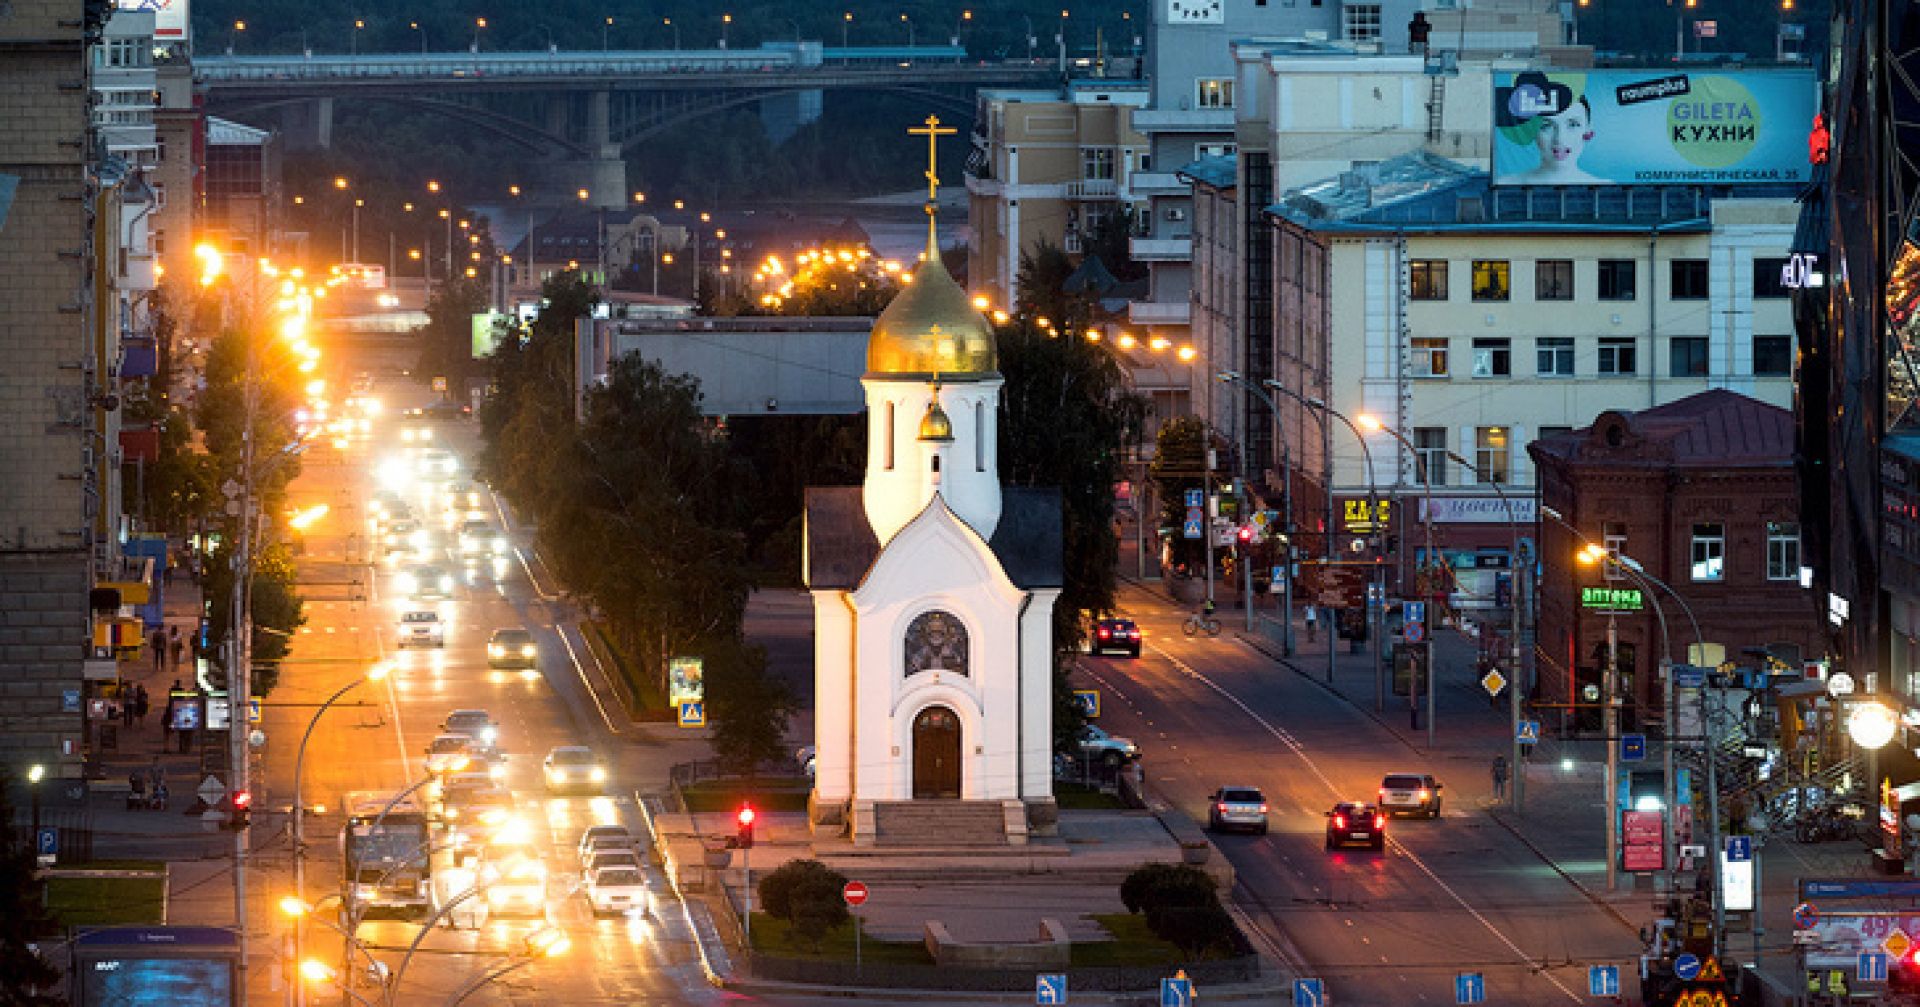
(1353,824)
(1116,636)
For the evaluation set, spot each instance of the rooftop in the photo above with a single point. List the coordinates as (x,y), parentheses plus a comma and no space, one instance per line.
(1714,429)
(1217,172)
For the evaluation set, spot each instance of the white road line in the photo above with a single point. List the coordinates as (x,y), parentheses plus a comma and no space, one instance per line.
(584,684)
(1294,746)
(380,654)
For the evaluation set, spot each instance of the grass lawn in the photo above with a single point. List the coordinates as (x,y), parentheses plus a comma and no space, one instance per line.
(1079,797)
(770,937)
(653,705)
(94,902)
(770,794)
(1132,945)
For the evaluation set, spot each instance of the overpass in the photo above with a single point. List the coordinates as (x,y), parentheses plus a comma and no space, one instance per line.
(590,106)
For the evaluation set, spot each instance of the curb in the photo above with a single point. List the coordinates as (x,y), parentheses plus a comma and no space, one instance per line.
(1243,992)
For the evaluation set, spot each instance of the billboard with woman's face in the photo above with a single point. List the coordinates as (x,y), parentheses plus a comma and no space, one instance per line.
(1644,127)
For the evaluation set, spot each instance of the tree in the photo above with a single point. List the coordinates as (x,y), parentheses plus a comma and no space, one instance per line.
(1179,465)
(806,894)
(1040,288)
(23,915)
(747,708)
(1112,243)
(446,341)
(274,604)
(1182,906)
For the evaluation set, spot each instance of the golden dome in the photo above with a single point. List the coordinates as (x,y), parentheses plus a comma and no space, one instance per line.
(932,328)
(935,426)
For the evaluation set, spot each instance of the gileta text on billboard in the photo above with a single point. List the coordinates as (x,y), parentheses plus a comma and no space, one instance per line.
(1652,127)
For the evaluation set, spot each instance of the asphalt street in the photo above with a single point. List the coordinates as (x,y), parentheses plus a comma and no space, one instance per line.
(1449,896)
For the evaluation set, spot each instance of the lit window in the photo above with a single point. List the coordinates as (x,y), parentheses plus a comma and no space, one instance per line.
(1708,557)
(1783,550)
(1492,454)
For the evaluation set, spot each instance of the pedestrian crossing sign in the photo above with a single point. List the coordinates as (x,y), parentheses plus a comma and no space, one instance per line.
(693,714)
(1527,732)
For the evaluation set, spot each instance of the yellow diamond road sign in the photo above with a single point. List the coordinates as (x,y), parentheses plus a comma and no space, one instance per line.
(1897,943)
(1493,682)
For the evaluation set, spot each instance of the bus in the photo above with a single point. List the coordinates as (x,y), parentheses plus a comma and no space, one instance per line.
(388,868)
(365,275)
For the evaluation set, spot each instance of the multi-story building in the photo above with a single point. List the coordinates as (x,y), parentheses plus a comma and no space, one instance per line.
(179,149)
(240,188)
(1472,319)
(1048,166)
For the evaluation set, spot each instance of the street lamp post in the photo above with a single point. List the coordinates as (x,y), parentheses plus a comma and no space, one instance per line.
(1426,489)
(1314,408)
(35,774)
(846,22)
(479,23)
(726,22)
(1515,576)
(415,25)
(668,22)
(1286,527)
(606,35)
(378,672)
(353,38)
(908,21)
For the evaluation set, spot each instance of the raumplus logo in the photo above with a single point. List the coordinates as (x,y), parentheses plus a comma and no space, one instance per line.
(1716,125)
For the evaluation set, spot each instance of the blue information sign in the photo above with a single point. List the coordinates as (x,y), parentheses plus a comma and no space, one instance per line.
(1050,988)
(1469,988)
(1633,747)
(1873,966)
(1739,849)
(1686,966)
(1195,498)
(1309,993)
(46,842)
(1603,980)
(1527,732)
(1176,993)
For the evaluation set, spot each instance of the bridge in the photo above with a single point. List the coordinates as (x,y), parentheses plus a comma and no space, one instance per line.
(588,107)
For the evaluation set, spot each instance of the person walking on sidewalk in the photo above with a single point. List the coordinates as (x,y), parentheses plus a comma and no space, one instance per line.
(175,644)
(1499,777)
(1313,625)
(159,649)
(140,703)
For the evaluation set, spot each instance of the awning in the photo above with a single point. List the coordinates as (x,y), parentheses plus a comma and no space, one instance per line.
(132,592)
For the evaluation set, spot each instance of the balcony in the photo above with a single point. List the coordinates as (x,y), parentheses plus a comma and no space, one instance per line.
(1163,249)
(1160,312)
(1158,183)
(1093,188)
(1183,120)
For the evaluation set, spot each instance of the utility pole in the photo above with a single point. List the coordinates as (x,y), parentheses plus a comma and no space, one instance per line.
(1609,733)
(1206,526)
(239,629)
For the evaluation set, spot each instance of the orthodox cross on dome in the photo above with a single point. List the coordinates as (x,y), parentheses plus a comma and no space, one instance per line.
(933,131)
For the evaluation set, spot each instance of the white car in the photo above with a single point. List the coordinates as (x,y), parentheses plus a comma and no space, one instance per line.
(575,768)
(606,837)
(422,628)
(517,885)
(448,753)
(599,859)
(482,734)
(619,890)
(427,583)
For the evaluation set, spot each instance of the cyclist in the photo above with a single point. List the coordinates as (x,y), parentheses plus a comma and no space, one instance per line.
(1207,608)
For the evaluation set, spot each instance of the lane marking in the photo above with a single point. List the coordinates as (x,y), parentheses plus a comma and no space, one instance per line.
(1295,747)
(581,669)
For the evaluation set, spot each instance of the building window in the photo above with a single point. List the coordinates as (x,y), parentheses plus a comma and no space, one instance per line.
(1492,279)
(1492,358)
(1429,280)
(1617,356)
(979,437)
(1202,151)
(1553,280)
(1769,279)
(1554,356)
(1773,356)
(1688,279)
(936,641)
(1096,163)
(1491,454)
(1616,279)
(1783,550)
(1360,22)
(1429,356)
(1613,538)
(1430,455)
(1708,557)
(887,445)
(1213,92)
(1688,356)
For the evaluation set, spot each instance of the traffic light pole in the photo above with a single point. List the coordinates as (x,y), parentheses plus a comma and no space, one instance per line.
(746,861)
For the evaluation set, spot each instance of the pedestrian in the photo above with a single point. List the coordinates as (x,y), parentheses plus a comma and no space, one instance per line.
(159,649)
(1499,777)
(126,706)
(176,644)
(1313,625)
(140,703)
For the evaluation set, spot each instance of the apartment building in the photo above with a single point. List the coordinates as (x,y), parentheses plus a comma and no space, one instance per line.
(1048,166)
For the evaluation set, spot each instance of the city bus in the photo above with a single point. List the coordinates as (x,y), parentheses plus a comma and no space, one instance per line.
(388,869)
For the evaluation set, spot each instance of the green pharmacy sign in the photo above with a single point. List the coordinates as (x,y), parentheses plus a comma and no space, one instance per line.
(1617,599)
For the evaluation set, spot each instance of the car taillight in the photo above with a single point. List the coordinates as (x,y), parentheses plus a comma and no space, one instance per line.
(1223,806)
(1383,793)
(1104,634)
(1339,821)
(1424,794)
(1379,821)
(1133,634)
(1263,809)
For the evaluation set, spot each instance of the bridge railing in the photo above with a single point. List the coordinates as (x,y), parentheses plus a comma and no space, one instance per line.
(552,63)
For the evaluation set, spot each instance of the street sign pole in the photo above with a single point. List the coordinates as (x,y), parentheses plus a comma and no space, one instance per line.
(1609,731)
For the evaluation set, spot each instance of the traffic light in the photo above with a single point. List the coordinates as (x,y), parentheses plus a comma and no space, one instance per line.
(1246,534)
(743,835)
(242,809)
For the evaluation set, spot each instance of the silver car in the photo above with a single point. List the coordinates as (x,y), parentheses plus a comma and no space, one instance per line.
(1237,808)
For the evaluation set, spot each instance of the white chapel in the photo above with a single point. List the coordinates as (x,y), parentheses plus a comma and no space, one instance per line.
(933,591)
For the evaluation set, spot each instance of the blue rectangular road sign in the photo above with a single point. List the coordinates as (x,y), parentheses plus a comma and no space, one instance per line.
(1196,498)
(1469,988)
(1603,980)
(1633,747)
(1088,700)
(1191,529)
(1050,988)
(1873,966)
(1527,732)
(1739,849)
(46,842)
(1414,611)
(1309,993)
(1176,993)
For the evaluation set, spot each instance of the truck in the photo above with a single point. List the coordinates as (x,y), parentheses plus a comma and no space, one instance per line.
(386,856)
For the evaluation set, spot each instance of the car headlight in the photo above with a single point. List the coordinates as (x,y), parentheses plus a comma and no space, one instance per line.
(408,582)
(446,582)
(495,650)
(557,773)
(426,434)
(497,772)
(489,735)
(599,775)
(527,651)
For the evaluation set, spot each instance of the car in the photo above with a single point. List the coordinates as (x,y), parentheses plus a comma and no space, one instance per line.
(448,753)
(598,836)
(1237,808)
(442,410)
(477,726)
(414,432)
(435,463)
(1114,635)
(601,857)
(512,648)
(515,884)
(1352,823)
(424,583)
(422,628)
(474,805)
(477,538)
(617,889)
(1410,794)
(574,768)
(1099,746)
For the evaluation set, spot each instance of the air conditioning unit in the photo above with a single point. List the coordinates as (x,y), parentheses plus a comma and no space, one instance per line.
(1176,213)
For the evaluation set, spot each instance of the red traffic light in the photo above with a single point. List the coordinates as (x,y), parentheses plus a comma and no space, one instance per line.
(746,816)
(1246,533)
(242,800)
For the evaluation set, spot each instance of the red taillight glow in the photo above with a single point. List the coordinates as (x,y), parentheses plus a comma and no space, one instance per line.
(1134,634)
(1263,809)
(1223,806)
(1379,821)
(1104,634)
(1339,821)
(1383,793)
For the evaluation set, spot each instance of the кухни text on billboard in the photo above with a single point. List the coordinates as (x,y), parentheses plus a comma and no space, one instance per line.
(1647,127)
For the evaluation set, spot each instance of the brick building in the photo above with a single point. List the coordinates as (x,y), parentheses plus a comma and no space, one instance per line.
(1701,493)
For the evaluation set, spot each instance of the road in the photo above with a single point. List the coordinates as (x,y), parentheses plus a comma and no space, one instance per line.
(1453,895)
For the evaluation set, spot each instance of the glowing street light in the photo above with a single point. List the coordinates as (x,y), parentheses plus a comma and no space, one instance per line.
(1871,724)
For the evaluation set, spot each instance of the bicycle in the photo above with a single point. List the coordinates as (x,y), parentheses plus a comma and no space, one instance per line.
(1200,622)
